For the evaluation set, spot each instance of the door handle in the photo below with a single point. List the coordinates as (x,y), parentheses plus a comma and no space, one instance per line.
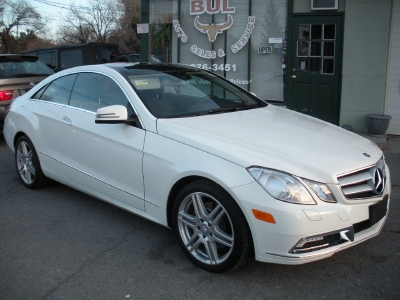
(294,76)
(65,120)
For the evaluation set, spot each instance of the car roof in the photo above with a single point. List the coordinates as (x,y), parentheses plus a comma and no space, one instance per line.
(152,66)
(17,57)
(72,46)
(124,68)
(120,66)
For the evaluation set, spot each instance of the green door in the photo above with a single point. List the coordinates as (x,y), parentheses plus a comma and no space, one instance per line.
(316,65)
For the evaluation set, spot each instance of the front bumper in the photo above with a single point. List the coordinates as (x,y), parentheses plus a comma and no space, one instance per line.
(276,243)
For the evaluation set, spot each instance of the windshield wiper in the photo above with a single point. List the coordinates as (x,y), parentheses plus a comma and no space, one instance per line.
(230,109)
(211,111)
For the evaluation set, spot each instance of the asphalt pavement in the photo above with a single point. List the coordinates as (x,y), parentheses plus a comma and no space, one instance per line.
(58,243)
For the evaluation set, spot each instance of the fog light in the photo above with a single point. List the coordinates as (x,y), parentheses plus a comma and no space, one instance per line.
(323,241)
(309,240)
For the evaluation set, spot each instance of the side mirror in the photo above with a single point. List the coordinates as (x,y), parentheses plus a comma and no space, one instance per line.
(114,114)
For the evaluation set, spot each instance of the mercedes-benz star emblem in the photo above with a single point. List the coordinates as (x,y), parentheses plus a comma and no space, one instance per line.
(378,181)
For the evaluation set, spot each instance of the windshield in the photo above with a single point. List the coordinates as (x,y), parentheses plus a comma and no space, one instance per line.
(23,68)
(170,92)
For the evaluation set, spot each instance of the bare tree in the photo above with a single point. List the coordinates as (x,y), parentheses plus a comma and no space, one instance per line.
(79,34)
(28,40)
(129,40)
(17,15)
(96,22)
(2,2)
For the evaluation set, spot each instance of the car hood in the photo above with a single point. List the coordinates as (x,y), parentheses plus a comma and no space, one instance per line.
(275,138)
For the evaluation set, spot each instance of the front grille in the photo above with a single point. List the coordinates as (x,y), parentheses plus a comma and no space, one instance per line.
(364,183)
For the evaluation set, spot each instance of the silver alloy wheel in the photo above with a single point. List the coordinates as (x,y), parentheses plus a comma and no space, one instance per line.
(206,228)
(25,165)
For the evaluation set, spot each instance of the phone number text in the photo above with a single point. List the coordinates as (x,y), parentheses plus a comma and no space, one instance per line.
(216,67)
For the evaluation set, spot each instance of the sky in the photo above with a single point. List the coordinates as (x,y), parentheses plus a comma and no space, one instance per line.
(53,10)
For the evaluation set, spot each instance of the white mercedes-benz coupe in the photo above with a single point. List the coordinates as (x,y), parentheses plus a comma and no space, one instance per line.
(234,177)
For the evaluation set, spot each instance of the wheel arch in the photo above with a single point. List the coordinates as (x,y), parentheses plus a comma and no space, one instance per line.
(180,184)
(231,207)
(39,180)
(17,136)
(176,188)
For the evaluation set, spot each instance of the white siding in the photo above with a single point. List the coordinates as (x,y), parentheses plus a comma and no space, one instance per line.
(393,80)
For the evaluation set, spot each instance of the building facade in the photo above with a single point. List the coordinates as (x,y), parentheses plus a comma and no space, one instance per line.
(336,60)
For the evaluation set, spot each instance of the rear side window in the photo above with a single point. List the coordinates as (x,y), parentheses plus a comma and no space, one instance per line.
(93,91)
(49,58)
(40,92)
(59,90)
(71,58)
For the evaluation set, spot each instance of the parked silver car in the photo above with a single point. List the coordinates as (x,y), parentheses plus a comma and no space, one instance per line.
(18,74)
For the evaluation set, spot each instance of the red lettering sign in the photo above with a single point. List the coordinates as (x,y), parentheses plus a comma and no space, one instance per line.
(198,7)
(213,10)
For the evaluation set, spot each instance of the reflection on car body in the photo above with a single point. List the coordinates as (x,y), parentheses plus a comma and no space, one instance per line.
(235,177)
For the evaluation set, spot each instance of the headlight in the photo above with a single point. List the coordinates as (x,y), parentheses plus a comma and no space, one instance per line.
(321,190)
(281,186)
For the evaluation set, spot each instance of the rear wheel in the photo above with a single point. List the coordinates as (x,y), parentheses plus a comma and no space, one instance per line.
(28,165)
(211,228)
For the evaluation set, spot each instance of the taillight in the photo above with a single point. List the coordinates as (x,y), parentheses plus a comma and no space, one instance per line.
(6,95)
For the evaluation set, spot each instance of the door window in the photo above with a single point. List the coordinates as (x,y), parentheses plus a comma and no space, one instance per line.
(316,48)
(71,58)
(93,91)
(58,91)
(49,58)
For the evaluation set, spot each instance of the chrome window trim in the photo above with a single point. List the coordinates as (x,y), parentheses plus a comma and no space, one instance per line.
(101,73)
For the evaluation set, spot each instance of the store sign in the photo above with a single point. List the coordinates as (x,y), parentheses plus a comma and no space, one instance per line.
(142,28)
(266,49)
(199,7)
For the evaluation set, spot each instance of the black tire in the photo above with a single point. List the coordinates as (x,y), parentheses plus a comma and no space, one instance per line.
(211,228)
(28,165)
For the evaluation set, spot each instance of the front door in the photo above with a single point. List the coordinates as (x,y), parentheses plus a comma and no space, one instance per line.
(315,68)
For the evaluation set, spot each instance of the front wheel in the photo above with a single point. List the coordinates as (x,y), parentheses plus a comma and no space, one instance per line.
(211,228)
(27,163)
